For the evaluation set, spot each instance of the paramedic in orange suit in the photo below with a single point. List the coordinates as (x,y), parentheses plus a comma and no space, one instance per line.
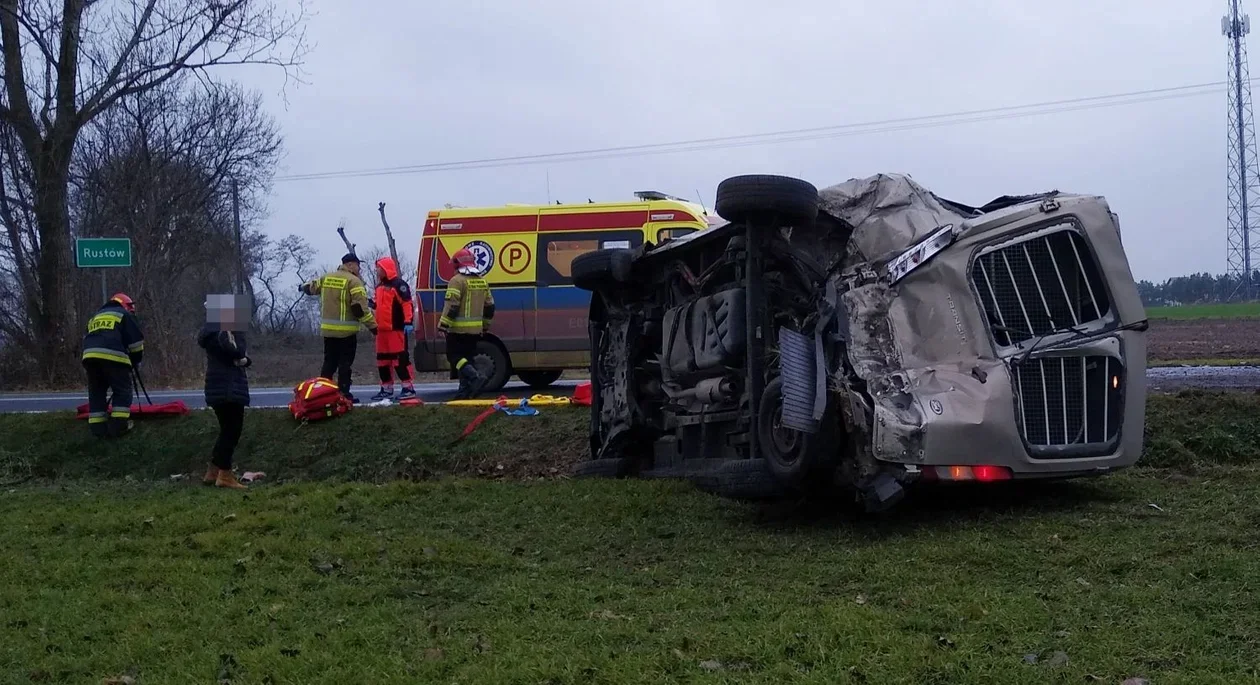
(395,311)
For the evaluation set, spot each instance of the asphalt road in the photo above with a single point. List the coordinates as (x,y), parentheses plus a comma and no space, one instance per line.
(259,397)
(1159,380)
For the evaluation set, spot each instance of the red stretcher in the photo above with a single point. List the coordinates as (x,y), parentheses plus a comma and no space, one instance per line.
(146,411)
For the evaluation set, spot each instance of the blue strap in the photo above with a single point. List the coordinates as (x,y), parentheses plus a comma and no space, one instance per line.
(522,409)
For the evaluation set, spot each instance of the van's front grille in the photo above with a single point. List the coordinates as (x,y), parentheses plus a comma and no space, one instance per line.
(1069,404)
(1038,286)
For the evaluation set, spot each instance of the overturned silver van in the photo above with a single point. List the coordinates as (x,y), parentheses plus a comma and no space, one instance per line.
(867,337)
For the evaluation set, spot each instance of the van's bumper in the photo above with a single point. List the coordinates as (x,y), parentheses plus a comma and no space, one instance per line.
(974,413)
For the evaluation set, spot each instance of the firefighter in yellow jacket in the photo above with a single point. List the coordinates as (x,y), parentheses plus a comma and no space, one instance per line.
(465,318)
(343,308)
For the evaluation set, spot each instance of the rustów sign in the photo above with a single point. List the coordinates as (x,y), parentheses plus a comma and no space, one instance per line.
(102,253)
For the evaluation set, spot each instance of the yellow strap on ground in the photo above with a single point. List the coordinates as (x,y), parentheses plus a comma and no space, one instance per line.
(534,401)
(548,401)
(487,402)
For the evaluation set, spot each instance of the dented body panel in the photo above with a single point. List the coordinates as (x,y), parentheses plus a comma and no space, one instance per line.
(924,333)
(939,376)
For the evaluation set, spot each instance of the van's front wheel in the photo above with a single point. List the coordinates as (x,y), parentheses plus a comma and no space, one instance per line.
(800,461)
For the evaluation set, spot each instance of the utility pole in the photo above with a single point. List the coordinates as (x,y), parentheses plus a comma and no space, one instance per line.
(1243,175)
(236,222)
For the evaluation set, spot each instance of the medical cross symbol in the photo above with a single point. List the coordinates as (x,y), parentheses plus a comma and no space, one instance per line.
(484,255)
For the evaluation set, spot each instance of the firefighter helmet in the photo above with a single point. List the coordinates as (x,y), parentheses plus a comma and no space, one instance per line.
(464,258)
(126,302)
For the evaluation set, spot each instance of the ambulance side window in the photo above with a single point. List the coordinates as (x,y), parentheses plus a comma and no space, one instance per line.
(675,232)
(557,250)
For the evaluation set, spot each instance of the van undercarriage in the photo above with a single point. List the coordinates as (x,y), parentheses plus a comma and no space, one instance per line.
(864,338)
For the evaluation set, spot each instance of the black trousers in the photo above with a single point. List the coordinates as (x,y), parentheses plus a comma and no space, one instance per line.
(106,378)
(339,358)
(460,347)
(231,421)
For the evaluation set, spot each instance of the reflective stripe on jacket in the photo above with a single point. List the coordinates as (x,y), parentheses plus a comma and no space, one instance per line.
(343,303)
(113,335)
(469,305)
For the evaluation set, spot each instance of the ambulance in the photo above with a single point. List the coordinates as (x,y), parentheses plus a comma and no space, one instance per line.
(526,253)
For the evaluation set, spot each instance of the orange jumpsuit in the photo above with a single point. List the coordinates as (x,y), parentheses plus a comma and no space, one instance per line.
(395,311)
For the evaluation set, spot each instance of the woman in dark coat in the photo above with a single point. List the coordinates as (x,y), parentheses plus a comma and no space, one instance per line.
(227,393)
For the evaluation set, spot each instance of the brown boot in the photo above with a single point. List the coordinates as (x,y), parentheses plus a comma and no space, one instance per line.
(227,479)
(212,474)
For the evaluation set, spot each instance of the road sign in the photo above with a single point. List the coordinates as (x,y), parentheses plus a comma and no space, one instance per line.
(102,253)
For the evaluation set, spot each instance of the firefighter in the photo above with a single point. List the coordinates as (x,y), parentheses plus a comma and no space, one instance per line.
(343,308)
(465,319)
(112,348)
(394,313)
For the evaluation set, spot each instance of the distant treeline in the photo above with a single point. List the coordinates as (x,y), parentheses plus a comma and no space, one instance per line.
(1200,288)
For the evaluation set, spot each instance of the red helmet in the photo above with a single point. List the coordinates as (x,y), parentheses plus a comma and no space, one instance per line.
(126,302)
(464,258)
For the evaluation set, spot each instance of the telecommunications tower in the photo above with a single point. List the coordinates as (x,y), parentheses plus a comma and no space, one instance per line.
(1244,174)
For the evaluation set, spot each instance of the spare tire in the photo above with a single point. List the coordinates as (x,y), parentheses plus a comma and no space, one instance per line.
(601,268)
(789,201)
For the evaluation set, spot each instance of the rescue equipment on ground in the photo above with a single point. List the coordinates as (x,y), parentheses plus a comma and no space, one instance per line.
(150,410)
(318,399)
(582,394)
(534,400)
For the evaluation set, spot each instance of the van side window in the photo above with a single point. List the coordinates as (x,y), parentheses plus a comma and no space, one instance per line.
(557,250)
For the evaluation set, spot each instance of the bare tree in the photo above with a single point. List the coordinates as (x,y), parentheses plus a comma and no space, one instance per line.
(159,168)
(280,308)
(19,246)
(67,62)
(406,265)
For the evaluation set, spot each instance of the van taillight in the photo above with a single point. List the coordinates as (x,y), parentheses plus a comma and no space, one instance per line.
(981,474)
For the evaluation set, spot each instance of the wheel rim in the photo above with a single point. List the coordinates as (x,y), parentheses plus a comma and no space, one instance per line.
(786,440)
(485,364)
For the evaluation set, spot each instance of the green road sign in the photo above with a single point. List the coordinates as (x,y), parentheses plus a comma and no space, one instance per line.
(102,253)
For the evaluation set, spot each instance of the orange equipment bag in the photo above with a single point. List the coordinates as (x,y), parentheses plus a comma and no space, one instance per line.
(317,399)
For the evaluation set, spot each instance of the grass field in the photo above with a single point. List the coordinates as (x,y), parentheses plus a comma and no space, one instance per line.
(346,574)
(612,582)
(1206,311)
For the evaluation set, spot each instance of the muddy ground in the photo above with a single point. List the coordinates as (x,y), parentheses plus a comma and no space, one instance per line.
(1196,339)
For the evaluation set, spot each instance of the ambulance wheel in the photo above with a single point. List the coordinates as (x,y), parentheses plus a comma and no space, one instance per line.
(599,268)
(782,199)
(539,378)
(492,362)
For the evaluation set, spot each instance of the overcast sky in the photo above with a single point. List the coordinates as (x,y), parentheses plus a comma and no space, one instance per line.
(399,82)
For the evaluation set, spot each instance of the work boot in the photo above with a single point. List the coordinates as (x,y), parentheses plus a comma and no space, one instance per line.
(407,393)
(353,400)
(120,427)
(478,382)
(384,394)
(470,382)
(212,474)
(227,479)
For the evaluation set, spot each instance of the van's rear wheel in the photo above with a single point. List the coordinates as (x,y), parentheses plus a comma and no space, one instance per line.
(539,378)
(492,362)
(782,199)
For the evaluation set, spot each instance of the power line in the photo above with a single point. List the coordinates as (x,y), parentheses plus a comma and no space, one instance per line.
(793,135)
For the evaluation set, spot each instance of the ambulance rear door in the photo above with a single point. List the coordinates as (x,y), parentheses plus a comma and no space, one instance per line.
(563,234)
